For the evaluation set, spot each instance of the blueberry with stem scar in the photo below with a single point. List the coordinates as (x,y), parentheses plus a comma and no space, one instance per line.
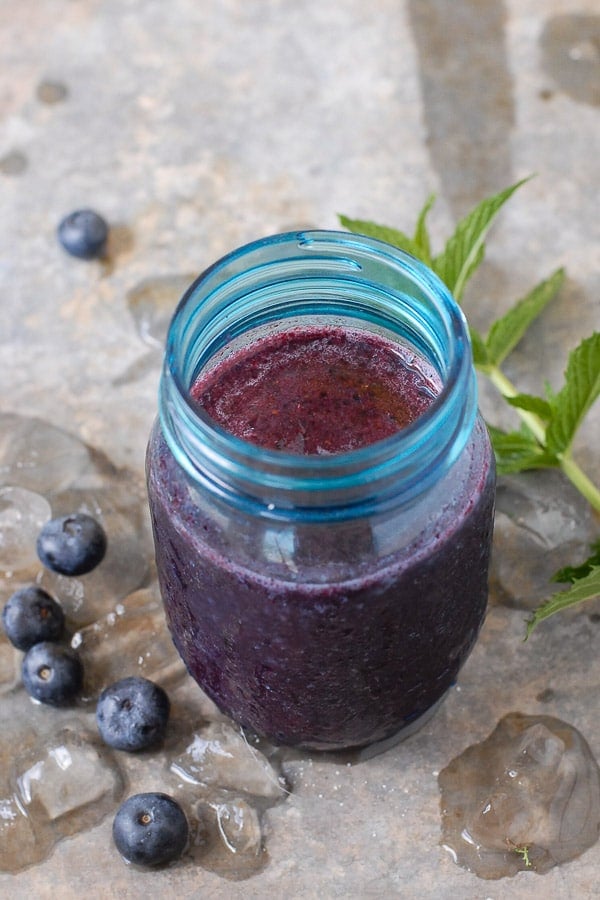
(52,674)
(150,829)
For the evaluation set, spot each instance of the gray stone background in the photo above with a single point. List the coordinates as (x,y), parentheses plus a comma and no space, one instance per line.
(194,126)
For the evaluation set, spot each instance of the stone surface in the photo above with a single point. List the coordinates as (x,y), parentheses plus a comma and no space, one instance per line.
(194,127)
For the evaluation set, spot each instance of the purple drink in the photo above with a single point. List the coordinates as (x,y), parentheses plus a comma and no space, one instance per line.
(317,390)
(326,633)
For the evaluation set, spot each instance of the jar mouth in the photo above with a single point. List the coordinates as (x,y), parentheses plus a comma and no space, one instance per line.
(308,276)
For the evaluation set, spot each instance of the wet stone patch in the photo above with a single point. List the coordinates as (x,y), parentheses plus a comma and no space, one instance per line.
(51,92)
(13,163)
(570,47)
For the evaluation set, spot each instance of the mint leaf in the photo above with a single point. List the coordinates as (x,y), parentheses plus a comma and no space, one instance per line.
(586,588)
(518,451)
(421,236)
(382,233)
(507,331)
(536,405)
(480,355)
(575,573)
(580,391)
(549,392)
(464,250)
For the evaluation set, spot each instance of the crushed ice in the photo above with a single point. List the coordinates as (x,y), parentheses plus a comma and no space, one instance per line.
(525,799)
(542,523)
(63,780)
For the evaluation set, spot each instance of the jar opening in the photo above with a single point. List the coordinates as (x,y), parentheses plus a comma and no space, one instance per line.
(296,279)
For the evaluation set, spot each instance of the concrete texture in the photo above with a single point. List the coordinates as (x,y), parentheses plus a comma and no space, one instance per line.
(194,127)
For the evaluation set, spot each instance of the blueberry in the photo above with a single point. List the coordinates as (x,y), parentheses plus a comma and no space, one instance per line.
(52,673)
(31,616)
(132,714)
(150,829)
(72,545)
(84,234)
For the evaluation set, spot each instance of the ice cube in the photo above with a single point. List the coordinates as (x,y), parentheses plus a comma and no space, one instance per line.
(22,514)
(38,456)
(132,639)
(10,665)
(542,523)
(66,782)
(239,826)
(19,846)
(526,797)
(219,756)
(152,303)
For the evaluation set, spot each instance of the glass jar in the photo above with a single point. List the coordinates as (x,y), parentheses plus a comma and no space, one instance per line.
(322,601)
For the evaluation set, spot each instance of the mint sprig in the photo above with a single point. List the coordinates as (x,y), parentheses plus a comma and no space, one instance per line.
(465,249)
(519,451)
(549,423)
(382,233)
(580,392)
(585,585)
(575,573)
(507,331)
(585,588)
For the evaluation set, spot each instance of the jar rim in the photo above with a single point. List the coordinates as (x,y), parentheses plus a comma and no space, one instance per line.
(211,454)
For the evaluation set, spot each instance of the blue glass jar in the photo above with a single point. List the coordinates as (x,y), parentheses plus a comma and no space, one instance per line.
(323,601)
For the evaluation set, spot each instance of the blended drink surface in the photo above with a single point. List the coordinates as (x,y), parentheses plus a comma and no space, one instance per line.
(321,390)
(326,635)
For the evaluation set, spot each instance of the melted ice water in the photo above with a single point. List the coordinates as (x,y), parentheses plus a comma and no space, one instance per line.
(525,799)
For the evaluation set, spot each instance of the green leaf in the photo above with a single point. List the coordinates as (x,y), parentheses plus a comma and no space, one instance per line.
(575,573)
(549,392)
(464,250)
(579,392)
(518,451)
(421,236)
(586,588)
(480,356)
(382,233)
(536,405)
(506,332)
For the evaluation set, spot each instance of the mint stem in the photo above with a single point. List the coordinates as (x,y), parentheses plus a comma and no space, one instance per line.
(507,389)
(574,473)
(581,481)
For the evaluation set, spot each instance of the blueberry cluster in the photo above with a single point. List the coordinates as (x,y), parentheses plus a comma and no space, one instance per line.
(149,829)
(35,622)
(132,714)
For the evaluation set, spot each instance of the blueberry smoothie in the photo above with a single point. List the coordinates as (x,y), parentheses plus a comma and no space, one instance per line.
(325,634)
(317,390)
